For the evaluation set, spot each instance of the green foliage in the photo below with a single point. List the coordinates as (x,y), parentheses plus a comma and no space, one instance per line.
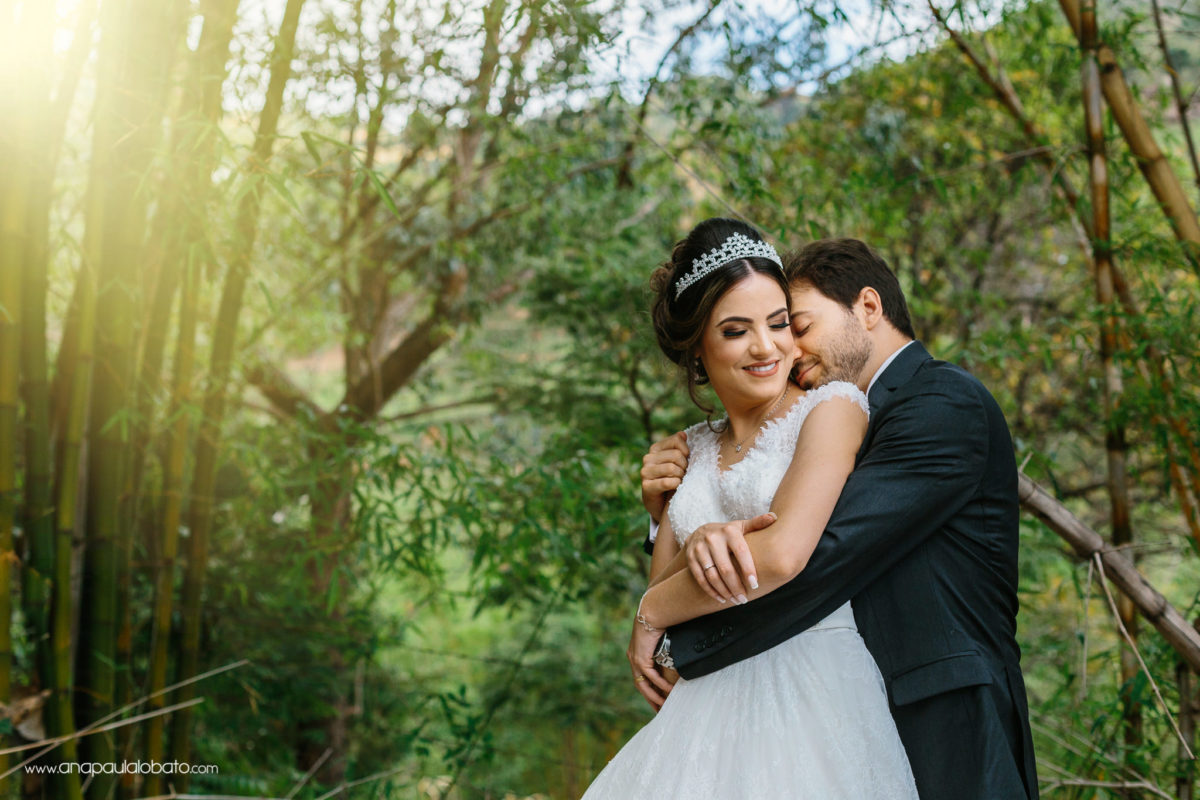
(491,554)
(447,568)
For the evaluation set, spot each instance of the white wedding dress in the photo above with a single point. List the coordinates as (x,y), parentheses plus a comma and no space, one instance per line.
(806,719)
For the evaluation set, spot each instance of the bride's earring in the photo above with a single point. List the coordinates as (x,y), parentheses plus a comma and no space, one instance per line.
(699,376)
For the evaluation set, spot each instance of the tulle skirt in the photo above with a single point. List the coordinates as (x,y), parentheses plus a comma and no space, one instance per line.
(807,719)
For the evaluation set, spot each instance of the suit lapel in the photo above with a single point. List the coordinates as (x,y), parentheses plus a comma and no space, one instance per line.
(898,373)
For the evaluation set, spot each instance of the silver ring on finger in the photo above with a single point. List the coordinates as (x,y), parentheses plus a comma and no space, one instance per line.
(711,566)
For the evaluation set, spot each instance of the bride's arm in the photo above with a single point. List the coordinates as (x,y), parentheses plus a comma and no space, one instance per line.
(681,559)
(824,456)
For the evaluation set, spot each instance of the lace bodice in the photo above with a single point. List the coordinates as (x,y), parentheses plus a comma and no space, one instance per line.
(710,494)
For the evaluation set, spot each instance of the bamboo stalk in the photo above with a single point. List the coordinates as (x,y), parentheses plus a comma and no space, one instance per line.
(1114,438)
(182,233)
(68,490)
(1186,483)
(25,33)
(208,440)
(81,48)
(12,246)
(155,31)
(113,230)
(178,226)
(36,168)
(1137,134)
(172,515)
(1118,567)
(1186,770)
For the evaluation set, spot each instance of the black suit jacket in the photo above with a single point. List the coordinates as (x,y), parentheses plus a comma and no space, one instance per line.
(924,540)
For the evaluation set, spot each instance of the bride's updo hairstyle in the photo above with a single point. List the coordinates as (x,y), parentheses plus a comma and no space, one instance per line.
(680,316)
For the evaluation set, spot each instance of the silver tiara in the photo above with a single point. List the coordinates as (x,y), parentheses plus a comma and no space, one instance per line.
(736,247)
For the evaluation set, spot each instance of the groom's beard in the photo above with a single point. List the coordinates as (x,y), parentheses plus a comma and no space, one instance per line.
(842,358)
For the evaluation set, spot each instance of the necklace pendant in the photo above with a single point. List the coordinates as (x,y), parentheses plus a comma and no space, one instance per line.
(737,448)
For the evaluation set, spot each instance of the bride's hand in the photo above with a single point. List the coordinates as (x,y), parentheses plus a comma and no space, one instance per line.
(647,677)
(719,558)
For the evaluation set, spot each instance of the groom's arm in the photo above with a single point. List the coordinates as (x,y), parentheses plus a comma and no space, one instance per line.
(926,459)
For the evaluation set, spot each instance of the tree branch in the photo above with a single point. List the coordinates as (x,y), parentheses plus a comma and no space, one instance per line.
(283,395)
(426,410)
(1119,568)
(624,179)
(1180,104)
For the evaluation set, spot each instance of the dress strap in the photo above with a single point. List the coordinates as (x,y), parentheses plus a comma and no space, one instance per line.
(834,389)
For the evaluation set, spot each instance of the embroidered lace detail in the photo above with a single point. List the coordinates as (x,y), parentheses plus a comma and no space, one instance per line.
(710,494)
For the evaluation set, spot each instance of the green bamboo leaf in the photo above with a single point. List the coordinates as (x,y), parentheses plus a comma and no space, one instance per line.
(310,143)
(384,195)
(278,184)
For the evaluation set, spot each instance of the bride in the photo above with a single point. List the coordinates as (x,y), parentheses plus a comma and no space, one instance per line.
(808,718)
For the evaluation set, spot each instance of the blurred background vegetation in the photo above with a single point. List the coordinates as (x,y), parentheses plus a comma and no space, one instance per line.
(326,367)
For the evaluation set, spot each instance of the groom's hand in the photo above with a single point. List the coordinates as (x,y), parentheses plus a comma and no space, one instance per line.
(662,470)
(720,560)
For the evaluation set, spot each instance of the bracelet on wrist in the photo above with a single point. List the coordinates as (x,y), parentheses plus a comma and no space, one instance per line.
(641,618)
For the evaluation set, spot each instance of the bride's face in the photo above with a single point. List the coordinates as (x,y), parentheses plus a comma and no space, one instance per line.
(748,348)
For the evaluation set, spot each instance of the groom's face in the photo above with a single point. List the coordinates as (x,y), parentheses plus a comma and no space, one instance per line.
(833,343)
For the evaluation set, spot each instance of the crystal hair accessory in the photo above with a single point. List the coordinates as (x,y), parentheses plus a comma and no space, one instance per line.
(737,246)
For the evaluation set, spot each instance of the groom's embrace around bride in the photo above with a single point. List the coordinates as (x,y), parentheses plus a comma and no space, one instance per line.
(923,538)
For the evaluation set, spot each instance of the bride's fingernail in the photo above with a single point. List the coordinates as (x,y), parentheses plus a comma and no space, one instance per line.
(753,581)
(721,600)
(741,598)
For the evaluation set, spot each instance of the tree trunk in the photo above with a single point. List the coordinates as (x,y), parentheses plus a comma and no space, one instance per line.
(331,522)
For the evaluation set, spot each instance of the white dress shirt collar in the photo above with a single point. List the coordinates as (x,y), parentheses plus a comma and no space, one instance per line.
(886,364)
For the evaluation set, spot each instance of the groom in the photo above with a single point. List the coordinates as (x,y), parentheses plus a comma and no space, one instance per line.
(923,538)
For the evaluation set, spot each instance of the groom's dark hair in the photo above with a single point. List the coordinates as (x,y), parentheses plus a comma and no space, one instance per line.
(841,268)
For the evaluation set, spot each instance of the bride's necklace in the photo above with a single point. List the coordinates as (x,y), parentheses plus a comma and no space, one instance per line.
(737,448)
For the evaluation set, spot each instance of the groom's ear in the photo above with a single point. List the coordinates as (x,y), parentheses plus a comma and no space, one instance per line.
(869,308)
